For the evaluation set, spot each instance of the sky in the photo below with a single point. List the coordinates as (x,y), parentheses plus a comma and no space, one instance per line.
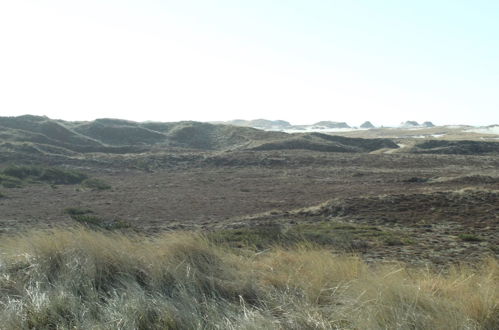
(302,61)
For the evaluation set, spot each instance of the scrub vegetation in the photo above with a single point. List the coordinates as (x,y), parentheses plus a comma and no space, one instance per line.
(52,175)
(16,176)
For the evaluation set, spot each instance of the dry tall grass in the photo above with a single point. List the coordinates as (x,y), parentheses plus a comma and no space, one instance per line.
(62,279)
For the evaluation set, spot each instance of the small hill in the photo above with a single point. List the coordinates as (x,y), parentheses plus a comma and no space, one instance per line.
(120,133)
(415,124)
(261,124)
(491,129)
(325,142)
(281,125)
(461,206)
(456,147)
(331,124)
(42,130)
(216,137)
(367,124)
(410,124)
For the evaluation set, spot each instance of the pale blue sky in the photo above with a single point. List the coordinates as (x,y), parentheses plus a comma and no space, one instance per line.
(301,61)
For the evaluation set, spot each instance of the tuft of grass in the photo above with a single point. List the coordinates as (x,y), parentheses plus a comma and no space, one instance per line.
(469,237)
(61,279)
(393,241)
(2,195)
(95,184)
(86,218)
(77,211)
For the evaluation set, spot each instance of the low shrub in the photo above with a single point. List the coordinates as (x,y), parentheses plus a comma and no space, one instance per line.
(258,237)
(23,172)
(95,222)
(393,241)
(87,219)
(10,181)
(77,211)
(469,237)
(61,176)
(95,184)
(416,180)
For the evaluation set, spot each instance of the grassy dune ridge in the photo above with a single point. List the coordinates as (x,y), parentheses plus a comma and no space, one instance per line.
(83,279)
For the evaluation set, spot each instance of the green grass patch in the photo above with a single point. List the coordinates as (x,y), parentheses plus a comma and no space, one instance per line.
(15,176)
(95,184)
(19,174)
(259,237)
(87,218)
(61,176)
(469,237)
(393,241)
(10,182)
(23,172)
(347,237)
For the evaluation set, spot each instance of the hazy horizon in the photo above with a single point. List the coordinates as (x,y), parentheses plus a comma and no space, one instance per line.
(302,62)
(353,124)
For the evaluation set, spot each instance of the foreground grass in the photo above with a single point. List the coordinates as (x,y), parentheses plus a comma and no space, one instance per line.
(83,279)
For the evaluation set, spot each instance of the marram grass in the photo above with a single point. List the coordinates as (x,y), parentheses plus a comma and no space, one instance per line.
(83,279)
